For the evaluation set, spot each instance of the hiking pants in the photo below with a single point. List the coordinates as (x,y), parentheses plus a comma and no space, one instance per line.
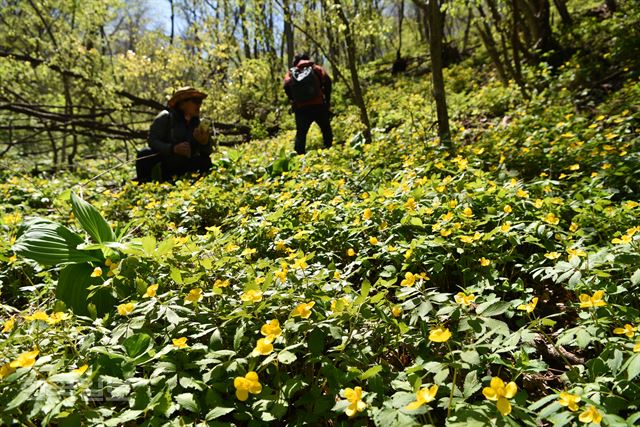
(304,118)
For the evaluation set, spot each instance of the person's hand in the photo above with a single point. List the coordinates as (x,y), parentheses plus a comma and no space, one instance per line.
(201,134)
(183,149)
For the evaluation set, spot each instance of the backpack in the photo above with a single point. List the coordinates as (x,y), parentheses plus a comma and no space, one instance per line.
(305,84)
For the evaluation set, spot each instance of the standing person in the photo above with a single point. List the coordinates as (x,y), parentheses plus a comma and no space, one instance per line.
(308,87)
(176,134)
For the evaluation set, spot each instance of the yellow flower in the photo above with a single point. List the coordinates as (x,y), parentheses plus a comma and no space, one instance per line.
(354,396)
(5,370)
(408,253)
(538,203)
(551,218)
(194,296)
(281,245)
(409,279)
(590,415)
(624,240)
(576,252)
(367,214)
(373,240)
(251,295)
(300,263)
(180,342)
(125,309)
(552,255)
(81,369)
(574,167)
(113,267)
(38,315)
(25,360)
(507,209)
(8,325)
(467,212)
(569,400)
(247,384)
(439,334)
(446,217)
(339,304)
(424,395)
(248,252)
(271,329)
(303,310)
(351,252)
(463,299)
(596,300)
(396,311)
(97,272)
(522,194)
(505,227)
(58,317)
(151,291)
(484,262)
(636,347)
(410,204)
(500,392)
(221,283)
(573,227)
(627,330)
(530,306)
(264,346)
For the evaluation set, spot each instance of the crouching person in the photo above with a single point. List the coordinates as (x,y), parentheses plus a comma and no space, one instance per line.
(183,145)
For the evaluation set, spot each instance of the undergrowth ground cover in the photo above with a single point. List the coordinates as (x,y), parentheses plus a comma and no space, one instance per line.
(385,284)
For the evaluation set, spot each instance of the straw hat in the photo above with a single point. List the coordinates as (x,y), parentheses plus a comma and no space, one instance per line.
(185,93)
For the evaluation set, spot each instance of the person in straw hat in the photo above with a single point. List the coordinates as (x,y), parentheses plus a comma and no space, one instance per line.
(176,134)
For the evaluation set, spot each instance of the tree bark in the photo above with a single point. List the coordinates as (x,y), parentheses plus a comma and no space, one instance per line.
(565,16)
(353,69)
(435,48)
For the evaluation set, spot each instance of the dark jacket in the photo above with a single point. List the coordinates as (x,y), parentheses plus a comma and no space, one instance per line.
(170,128)
(324,97)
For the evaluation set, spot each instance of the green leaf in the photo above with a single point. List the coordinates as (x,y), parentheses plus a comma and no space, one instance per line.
(188,402)
(635,278)
(176,275)
(49,243)
(492,308)
(633,367)
(286,357)
(218,412)
(137,344)
(371,372)
(91,220)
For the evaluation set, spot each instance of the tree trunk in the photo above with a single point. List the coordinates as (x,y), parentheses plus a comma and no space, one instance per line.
(173,17)
(353,69)
(288,34)
(400,21)
(561,5)
(611,5)
(435,48)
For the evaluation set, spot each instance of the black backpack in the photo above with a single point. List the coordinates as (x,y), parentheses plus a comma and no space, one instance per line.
(305,84)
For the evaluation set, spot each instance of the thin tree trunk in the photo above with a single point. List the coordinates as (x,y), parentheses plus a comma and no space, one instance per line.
(400,21)
(353,69)
(173,16)
(611,5)
(561,5)
(288,34)
(435,48)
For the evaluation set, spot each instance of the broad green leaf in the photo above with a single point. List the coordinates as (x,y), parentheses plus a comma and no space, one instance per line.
(218,412)
(50,243)
(371,372)
(91,220)
(286,357)
(137,344)
(188,402)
